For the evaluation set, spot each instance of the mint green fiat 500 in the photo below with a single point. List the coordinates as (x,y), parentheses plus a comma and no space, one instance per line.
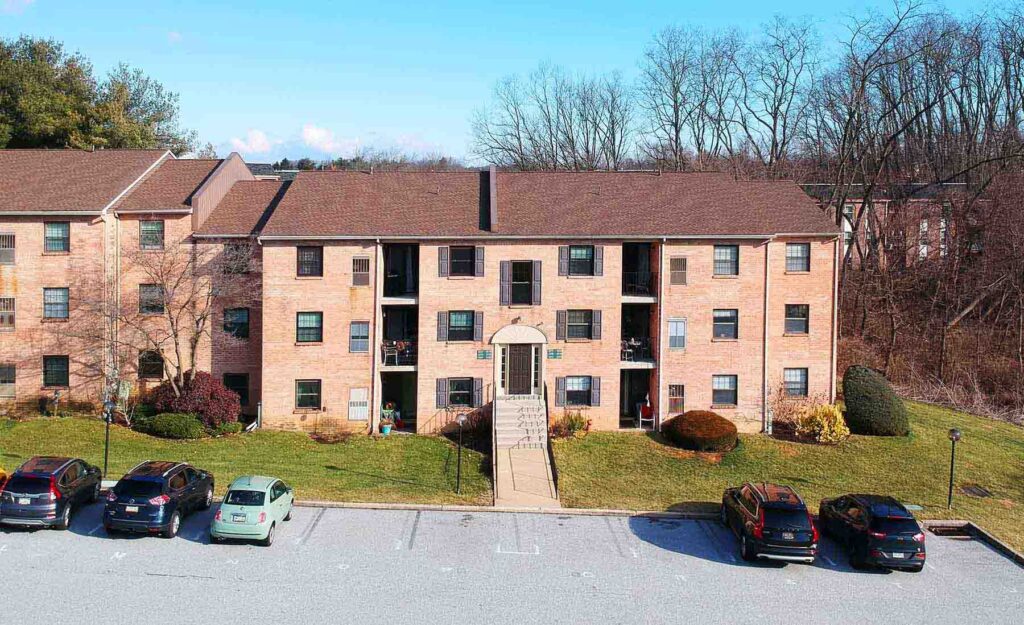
(253,508)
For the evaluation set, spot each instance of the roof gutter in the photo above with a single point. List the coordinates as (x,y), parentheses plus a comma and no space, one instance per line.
(544,237)
(196,235)
(146,211)
(53,213)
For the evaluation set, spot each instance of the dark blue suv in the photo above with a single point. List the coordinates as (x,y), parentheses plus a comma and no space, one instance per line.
(155,496)
(45,491)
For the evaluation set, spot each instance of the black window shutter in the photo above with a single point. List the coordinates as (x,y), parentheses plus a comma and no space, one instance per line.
(595,328)
(536,283)
(478,326)
(506,283)
(442,262)
(559,391)
(595,391)
(442,392)
(442,326)
(598,260)
(478,392)
(478,261)
(560,325)
(563,260)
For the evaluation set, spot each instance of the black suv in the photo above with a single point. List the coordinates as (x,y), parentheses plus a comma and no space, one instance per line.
(771,522)
(876,530)
(44,492)
(155,496)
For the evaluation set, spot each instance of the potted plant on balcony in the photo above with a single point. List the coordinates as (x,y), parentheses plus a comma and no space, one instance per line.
(387,418)
(385,426)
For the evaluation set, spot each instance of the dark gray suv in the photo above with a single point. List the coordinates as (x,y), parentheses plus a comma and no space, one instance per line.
(45,491)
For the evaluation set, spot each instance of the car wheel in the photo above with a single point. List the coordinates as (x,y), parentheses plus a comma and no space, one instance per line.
(916,569)
(208,501)
(722,516)
(173,526)
(214,539)
(65,518)
(856,561)
(746,551)
(109,530)
(269,540)
(95,494)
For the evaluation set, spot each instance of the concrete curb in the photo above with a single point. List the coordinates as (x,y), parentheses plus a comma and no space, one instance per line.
(657,514)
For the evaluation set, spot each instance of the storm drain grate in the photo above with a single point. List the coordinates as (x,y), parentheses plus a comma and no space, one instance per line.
(951,531)
(975,490)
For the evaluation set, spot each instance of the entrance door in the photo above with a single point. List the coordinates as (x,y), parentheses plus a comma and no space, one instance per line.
(520,380)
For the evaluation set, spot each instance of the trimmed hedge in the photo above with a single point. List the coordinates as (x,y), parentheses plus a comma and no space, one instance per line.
(872,407)
(173,425)
(701,430)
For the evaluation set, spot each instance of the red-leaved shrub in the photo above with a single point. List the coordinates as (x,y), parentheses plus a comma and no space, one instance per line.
(202,396)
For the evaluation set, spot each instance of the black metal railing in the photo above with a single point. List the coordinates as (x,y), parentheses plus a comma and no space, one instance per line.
(640,283)
(397,285)
(637,349)
(397,352)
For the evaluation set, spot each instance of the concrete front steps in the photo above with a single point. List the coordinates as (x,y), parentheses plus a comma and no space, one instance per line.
(522,468)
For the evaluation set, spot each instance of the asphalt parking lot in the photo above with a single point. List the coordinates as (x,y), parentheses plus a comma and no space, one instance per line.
(383,566)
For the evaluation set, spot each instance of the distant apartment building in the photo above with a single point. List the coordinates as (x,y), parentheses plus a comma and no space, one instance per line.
(627,297)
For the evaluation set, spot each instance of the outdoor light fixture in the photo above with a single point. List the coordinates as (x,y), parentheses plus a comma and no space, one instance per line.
(461,419)
(954,437)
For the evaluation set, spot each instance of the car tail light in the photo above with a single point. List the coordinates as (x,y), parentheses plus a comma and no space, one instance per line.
(878,535)
(262,517)
(159,500)
(759,526)
(875,553)
(111,496)
(217,516)
(919,555)
(919,537)
(814,528)
(54,493)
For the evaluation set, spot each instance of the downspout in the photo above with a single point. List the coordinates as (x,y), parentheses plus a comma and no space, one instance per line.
(766,416)
(374,337)
(661,332)
(835,322)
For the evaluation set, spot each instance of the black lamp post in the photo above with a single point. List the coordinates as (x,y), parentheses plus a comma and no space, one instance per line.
(108,415)
(458,469)
(954,437)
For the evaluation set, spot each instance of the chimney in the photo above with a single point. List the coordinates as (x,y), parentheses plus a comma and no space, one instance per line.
(492,203)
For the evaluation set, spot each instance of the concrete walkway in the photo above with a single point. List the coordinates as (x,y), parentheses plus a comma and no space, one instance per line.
(523,479)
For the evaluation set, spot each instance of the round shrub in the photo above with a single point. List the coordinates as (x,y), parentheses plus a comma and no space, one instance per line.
(200,395)
(229,428)
(172,425)
(872,407)
(701,430)
(823,423)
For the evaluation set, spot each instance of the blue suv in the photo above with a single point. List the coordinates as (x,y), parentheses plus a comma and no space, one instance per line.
(45,491)
(155,496)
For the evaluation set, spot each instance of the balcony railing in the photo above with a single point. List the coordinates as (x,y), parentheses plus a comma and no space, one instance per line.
(640,283)
(637,349)
(397,285)
(398,353)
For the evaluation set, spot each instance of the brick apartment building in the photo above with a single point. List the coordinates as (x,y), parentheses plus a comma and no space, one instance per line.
(438,292)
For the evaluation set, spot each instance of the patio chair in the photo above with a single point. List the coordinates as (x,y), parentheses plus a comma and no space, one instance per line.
(390,351)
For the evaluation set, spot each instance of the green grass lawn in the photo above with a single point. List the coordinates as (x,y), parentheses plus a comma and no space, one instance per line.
(397,468)
(640,472)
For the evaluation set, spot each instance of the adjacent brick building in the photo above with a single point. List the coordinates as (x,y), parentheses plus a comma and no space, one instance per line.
(625,296)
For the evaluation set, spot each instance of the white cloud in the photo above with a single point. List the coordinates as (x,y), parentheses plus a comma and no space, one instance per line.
(255,142)
(14,7)
(323,139)
(173,37)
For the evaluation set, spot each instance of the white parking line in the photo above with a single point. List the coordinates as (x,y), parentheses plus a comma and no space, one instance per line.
(118,555)
(535,552)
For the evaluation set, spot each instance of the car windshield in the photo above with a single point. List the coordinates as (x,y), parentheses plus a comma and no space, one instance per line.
(141,489)
(26,485)
(244,498)
(894,525)
(786,518)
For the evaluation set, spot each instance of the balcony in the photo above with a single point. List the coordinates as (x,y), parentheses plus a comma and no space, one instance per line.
(399,353)
(638,352)
(640,284)
(401,272)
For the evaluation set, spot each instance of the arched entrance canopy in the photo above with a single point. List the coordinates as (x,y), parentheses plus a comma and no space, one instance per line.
(515,334)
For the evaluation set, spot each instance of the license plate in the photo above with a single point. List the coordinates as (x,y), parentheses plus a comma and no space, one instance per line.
(24,501)
(899,556)
(787,535)
(131,509)
(238,518)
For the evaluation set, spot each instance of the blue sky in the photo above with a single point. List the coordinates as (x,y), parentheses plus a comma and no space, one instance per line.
(294,78)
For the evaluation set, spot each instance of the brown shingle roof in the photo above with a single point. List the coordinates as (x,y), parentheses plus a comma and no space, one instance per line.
(170,185)
(442,204)
(244,209)
(68,180)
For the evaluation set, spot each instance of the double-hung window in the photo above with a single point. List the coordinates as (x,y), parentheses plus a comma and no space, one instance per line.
(309,261)
(6,313)
(677,333)
(151,299)
(55,303)
(309,327)
(307,394)
(676,398)
(577,390)
(460,325)
(360,271)
(462,260)
(726,323)
(57,236)
(151,365)
(579,324)
(727,260)
(460,392)
(795,381)
(723,390)
(359,337)
(522,283)
(8,373)
(151,234)
(6,249)
(798,257)
(581,260)
(236,322)
(55,371)
(797,316)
